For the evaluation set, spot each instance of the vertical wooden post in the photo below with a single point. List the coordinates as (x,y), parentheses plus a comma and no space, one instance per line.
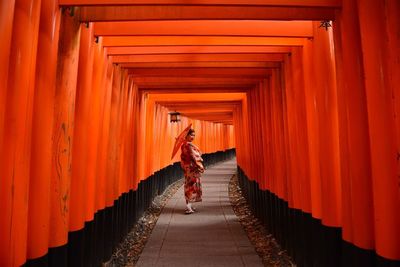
(93,132)
(42,130)
(102,135)
(105,137)
(6,25)
(16,147)
(279,120)
(313,128)
(298,132)
(290,111)
(357,226)
(111,192)
(326,101)
(64,110)
(392,20)
(266,159)
(382,128)
(79,147)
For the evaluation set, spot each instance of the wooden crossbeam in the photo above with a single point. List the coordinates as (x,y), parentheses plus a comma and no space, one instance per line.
(210,12)
(297,3)
(198,97)
(148,50)
(205,64)
(201,105)
(199,41)
(195,89)
(197,58)
(200,72)
(205,28)
(186,82)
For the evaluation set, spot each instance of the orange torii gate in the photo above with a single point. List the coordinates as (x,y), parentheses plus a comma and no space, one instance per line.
(313,114)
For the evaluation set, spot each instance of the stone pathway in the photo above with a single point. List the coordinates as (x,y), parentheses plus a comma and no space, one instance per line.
(212,236)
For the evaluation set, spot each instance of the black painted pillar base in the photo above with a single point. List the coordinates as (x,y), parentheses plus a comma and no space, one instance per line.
(306,239)
(94,244)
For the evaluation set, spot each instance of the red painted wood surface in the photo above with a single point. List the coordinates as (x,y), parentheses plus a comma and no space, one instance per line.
(16,146)
(42,131)
(313,113)
(63,129)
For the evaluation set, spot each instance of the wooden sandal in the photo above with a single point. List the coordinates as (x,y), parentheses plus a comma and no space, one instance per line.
(189,211)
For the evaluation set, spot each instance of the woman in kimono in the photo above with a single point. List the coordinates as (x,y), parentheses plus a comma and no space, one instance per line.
(192,165)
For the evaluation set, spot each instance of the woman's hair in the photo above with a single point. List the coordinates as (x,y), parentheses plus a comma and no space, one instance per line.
(190,131)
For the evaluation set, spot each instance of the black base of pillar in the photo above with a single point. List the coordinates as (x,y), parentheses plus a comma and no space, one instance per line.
(94,244)
(306,239)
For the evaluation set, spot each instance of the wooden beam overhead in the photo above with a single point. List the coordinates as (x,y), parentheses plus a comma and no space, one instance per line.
(205,64)
(210,116)
(199,110)
(202,12)
(161,82)
(195,89)
(224,105)
(201,72)
(198,97)
(197,58)
(219,111)
(189,85)
(297,3)
(148,50)
(199,41)
(205,28)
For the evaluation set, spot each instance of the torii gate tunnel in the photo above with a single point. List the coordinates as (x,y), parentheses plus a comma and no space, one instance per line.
(304,92)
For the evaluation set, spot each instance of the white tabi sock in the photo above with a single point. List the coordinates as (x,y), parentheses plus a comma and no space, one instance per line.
(189,206)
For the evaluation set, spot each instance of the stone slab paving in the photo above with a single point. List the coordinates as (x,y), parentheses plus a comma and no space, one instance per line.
(212,236)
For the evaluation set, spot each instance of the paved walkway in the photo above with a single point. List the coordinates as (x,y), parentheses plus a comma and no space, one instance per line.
(212,236)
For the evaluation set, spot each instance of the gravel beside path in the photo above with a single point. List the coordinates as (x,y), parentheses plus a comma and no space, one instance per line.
(265,244)
(128,252)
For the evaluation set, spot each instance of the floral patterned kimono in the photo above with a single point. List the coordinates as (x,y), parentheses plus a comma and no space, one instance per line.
(192,165)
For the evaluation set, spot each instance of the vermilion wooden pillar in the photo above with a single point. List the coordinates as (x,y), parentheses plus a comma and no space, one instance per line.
(287,191)
(141,134)
(122,135)
(246,137)
(135,123)
(42,130)
(276,91)
(293,189)
(111,192)
(298,133)
(254,134)
(313,126)
(265,160)
(303,159)
(6,25)
(277,88)
(382,126)
(15,151)
(392,14)
(260,175)
(357,225)
(268,121)
(324,81)
(104,135)
(64,110)
(154,157)
(285,85)
(93,131)
(79,148)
